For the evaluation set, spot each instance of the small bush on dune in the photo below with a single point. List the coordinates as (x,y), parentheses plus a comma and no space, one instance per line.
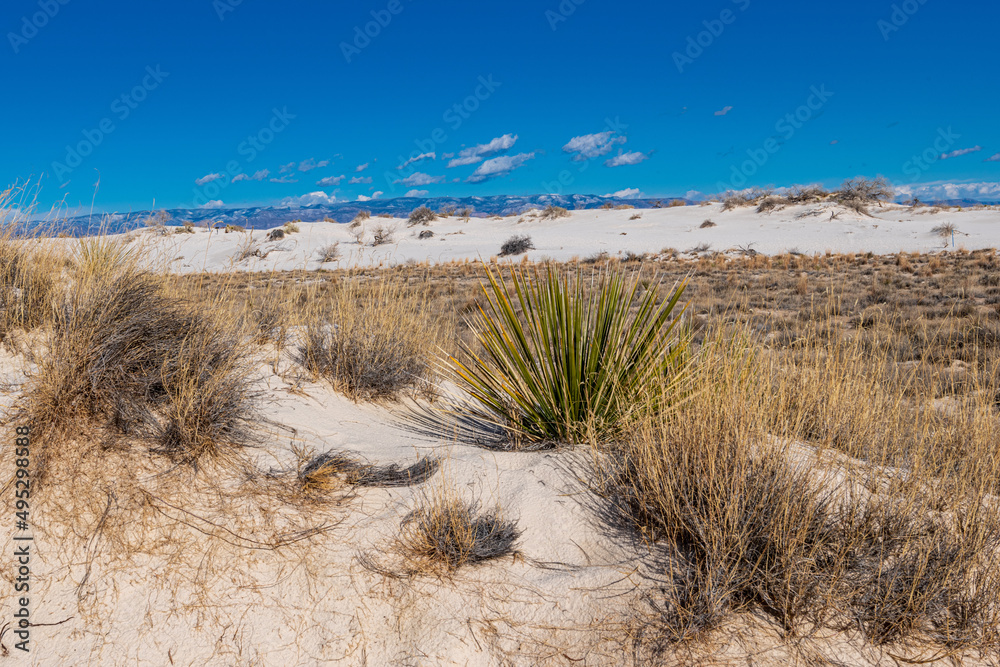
(329,253)
(421,216)
(383,235)
(516,245)
(859,193)
(553,213)
(560,360)
(361,217)
(371,342)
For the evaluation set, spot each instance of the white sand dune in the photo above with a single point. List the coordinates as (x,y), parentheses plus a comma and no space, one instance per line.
(808,229)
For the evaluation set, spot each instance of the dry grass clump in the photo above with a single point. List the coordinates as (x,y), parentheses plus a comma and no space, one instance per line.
(450,533)
(732,200)
(421,216)
(124,354)
(372,341)
(516,245)
(707,224)
(899,541)
(944,230)
(361,217)
(28,282)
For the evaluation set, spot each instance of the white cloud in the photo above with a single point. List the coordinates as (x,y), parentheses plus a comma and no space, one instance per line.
(311,199)
(362,167)
(499,166)
(476,154)
(944,190)
(630,193)
(995,158)
(418,178)
(310,164)
(257,176)
(375,195)
(215,203)
(589,146)
(416,193)
(360,179)
(723,111)
(208,178)
(330,181)
(626,159)
(423,156)
(960,152)
(285,168)
(284,179)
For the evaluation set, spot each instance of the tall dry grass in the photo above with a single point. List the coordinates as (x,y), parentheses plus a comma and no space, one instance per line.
(124,354)
(373,340)
(821,489)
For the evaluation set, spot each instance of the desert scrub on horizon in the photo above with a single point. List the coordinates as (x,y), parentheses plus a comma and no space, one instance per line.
(372,341)
(562,360)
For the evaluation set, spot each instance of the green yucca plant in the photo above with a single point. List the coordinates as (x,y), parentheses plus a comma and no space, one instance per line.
(564,360)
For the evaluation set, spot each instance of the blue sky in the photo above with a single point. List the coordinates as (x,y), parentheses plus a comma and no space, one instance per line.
(513,97)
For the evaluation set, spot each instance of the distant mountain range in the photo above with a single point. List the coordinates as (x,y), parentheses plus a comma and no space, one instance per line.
(267,217)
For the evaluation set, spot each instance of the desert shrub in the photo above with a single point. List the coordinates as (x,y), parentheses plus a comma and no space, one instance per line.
(383,235)
(757,524)
(677,202)
(276,234)
(234,228)
(451,533)
(805,194)
(732,200)
(516,245)
(560,360)
(329,253)
(124,355)
(553,213)
(361,217)
(187,227)
(426,234)
(859,193)
(769,204)
(707,224)
(291,227)
(371,342)
(421,216)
